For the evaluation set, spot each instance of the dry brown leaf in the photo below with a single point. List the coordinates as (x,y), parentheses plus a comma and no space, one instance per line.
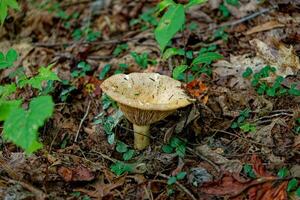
(78,173)
(264,27)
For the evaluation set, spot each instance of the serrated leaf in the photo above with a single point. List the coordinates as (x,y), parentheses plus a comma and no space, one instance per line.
(179,71)
(6,107)
(292,185)
(171,22)
(21,126)
(171,180)
(180,175)
(207,58)
(128,154)
(11,56)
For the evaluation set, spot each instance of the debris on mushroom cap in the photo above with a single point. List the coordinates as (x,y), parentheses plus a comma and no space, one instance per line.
(146,91)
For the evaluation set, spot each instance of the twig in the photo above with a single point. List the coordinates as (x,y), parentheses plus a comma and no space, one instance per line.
(248,140)
(180,186)
(82,120)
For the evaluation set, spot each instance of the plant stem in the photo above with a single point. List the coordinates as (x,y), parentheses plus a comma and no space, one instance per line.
(141,136)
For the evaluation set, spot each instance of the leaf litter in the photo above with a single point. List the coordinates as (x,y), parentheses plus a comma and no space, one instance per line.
(221,161)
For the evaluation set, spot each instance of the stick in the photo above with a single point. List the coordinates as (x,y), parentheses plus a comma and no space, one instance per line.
(82,120)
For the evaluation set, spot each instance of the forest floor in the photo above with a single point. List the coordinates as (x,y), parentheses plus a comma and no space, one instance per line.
(239,140)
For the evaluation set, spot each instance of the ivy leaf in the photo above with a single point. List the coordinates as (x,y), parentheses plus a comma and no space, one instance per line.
(128,154)
(177,72)
(207,58)
(171,22)
(21,126)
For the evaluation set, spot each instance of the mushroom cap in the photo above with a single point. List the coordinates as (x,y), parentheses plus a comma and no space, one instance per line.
(146,91)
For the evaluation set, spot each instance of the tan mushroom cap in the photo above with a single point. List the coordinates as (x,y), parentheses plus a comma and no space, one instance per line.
(146,91)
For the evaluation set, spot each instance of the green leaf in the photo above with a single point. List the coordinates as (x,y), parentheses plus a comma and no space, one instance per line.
(175,142)
(283,172)
(233,2)
(164,4)
(3,11)
(180,150)
(248,72)
(180,175)
(11,56)
(104,71)
(6,90)
(171,180)
(121,147)
(172,52)
(171,22)
(128,155)
(13,4)
(167,149)
(120,167)
(292,185)
(193,3)
(298,192)
(249,171)
(2,57)
(6,107)
(178,71)
(45,74)
(21,126)
(207,58)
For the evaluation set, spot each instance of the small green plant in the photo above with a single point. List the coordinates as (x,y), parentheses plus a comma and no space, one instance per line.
(173,179)
(146,20)
(175,145)
(292,185)
(200,64)
(120,48)
(121,69)
(126,152)
(4,5)
(142,59)
(83,68)
(247,127)
(220,33)
(104,71)
(21,125)
(244,114)
(120,168)
(85,33)
(264,88)
(248,170)
(283,172)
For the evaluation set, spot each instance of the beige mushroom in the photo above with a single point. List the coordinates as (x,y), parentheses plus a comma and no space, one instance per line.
(145,98)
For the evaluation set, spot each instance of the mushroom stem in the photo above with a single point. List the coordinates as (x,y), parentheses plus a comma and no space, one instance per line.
(141,136)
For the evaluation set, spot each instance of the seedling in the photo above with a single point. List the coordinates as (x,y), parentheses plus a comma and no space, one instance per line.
(242,117)
(173,179)
(122,68)
(120,49)
(142,59)
(83,68)
(126,152)
(7,61)
(176,145)
(247,127)
(283,172)
(120,168)
(146,19)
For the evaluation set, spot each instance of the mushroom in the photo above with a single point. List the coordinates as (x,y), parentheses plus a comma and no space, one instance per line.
(145,98)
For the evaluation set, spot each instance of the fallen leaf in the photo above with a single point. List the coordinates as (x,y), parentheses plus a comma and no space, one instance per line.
(264,27)
(78,173)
